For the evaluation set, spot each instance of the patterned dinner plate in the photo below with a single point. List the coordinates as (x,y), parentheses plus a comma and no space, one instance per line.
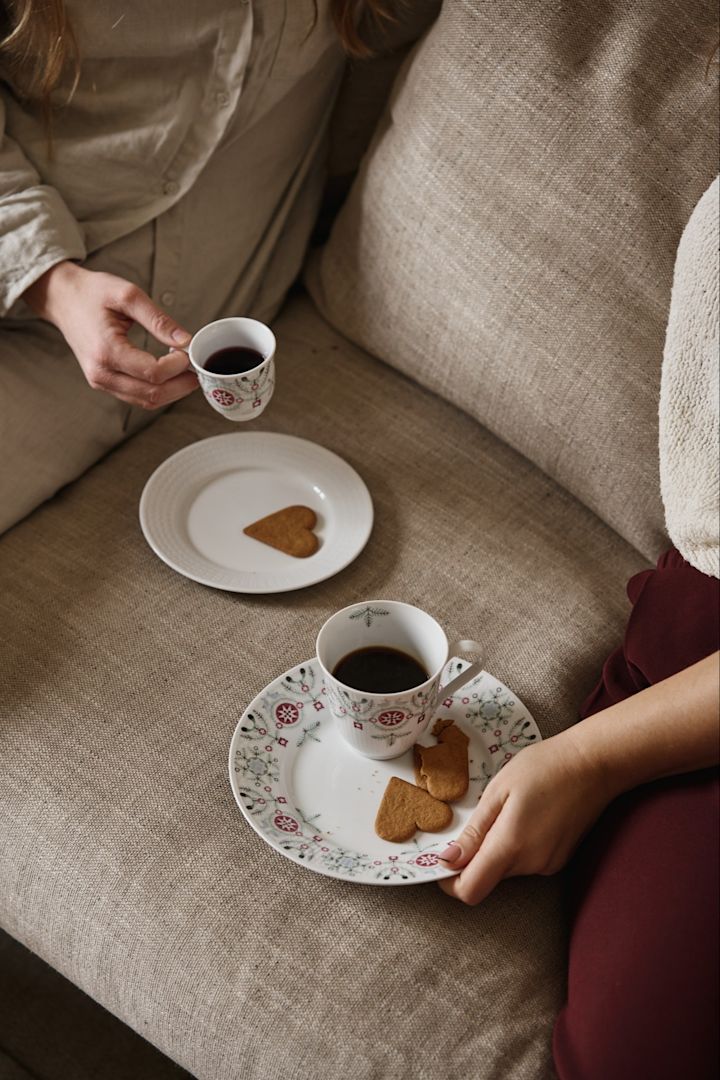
(196,504)
(313,798)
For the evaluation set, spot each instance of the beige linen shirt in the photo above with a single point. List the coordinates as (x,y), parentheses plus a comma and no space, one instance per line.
(189,159)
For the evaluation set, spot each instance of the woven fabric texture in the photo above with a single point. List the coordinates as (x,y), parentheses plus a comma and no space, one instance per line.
(50,1030)
(124,861)
(510,239)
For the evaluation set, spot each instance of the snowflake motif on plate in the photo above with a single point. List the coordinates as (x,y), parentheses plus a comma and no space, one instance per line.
(489,709)
(293,711)
(258,766)
(493,711)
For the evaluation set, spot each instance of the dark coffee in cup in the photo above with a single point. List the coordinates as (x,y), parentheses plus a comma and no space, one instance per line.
(236,360)
(379,669)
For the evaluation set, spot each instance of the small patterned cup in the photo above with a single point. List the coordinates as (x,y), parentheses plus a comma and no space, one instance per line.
(237,397)
(383,726)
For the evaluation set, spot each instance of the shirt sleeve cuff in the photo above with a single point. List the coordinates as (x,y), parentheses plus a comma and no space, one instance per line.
(38,232)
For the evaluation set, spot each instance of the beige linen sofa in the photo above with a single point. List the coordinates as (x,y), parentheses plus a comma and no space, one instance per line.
(481,339)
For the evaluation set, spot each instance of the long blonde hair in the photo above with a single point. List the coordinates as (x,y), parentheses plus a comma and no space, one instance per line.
(37,43)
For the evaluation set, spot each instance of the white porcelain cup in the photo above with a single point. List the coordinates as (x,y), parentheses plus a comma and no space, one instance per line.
(381,725)
(243,396)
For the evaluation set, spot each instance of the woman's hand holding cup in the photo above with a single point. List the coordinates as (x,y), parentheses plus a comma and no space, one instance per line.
(94,312)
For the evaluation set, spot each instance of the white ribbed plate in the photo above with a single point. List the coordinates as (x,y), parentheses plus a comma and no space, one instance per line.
(196,504)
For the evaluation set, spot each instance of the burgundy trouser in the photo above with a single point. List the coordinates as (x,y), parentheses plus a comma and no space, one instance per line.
(643,966)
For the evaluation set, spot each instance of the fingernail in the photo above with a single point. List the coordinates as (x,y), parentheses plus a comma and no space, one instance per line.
(181,336)
(450,853)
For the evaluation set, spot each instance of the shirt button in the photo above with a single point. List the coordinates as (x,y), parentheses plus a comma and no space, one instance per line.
(167,299)
(222,98)
(170,187)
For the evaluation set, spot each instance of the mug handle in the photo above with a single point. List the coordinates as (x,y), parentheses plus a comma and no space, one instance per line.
(466,645)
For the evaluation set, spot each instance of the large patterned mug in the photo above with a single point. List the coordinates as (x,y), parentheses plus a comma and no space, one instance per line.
(240,395)
(379,724)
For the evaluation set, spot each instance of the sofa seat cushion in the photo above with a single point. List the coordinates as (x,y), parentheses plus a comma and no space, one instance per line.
(510,239)
(124,861)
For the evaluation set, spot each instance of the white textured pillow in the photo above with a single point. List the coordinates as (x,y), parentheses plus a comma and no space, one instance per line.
(690,395)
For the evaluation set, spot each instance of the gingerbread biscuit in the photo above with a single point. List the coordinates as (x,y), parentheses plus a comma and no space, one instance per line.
(288,530)
(405,808)
(442,770)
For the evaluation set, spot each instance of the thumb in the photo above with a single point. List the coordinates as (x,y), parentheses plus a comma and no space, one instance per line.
(459,852)
(141,309)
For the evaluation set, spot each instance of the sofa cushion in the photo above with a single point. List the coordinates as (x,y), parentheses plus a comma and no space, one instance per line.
(50,1029)
(510,239)
(124,860)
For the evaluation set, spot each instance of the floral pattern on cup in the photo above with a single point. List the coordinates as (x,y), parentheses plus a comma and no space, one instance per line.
(241,397)
(389,723)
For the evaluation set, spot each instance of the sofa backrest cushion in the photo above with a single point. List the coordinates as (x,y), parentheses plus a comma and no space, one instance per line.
(509,241)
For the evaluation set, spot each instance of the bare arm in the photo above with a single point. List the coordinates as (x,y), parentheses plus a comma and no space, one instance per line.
(669,728)
(533,813)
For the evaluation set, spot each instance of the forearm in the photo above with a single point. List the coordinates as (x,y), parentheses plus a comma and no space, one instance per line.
(672,727)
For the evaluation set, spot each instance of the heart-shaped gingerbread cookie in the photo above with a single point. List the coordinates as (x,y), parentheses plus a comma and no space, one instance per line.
(405,808)
(288,530)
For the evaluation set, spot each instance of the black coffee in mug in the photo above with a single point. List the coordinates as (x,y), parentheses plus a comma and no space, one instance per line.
(235,360)
(380,669)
